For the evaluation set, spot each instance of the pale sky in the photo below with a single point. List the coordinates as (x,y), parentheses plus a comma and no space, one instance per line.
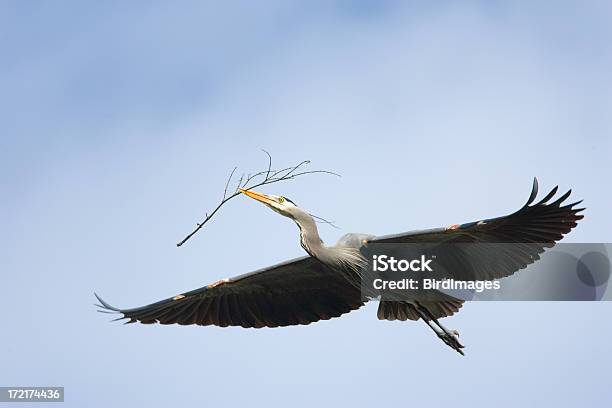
(122,121)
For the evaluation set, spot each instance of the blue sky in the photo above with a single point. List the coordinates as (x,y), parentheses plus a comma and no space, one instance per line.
(122,121)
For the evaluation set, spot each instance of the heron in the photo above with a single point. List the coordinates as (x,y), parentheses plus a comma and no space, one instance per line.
(325,283)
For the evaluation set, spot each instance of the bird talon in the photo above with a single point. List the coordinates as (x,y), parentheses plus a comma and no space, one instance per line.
(451,339)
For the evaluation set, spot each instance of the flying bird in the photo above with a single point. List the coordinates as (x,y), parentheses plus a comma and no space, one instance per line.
(326,282)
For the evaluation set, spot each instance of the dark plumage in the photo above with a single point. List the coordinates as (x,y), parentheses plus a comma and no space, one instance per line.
(324,284)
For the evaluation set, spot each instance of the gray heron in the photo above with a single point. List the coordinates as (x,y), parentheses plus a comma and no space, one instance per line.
(326,282)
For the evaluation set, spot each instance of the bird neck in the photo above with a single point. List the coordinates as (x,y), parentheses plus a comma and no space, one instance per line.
(309,234)
(341,258)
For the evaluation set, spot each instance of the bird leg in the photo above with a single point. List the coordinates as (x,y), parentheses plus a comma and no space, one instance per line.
(449,337)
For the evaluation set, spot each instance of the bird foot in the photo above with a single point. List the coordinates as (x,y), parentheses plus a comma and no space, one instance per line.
(451,338)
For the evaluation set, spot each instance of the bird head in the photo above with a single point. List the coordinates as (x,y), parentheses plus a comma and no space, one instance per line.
(280,204)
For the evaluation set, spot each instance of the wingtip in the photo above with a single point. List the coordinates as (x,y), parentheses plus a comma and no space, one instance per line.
(534,191)
(105,305)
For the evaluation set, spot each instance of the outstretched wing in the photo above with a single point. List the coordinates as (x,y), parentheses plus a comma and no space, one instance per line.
(529,231)
(300,291)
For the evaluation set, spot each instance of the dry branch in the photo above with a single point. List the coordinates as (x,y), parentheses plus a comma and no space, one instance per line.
(258,179)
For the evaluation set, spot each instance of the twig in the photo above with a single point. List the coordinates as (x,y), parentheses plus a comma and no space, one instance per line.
(324,221)
(228,181)
(268,176)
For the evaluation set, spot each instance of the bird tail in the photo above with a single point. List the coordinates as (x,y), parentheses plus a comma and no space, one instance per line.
(397,310)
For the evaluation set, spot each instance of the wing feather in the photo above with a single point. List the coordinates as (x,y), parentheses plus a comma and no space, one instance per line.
(529,230)
(297,292)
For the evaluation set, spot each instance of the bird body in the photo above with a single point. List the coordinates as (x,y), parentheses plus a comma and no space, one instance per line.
(327,282)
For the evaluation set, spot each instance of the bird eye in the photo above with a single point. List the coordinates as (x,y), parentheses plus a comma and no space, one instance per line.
(281,199)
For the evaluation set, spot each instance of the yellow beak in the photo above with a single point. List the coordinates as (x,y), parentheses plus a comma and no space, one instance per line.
(258,196)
